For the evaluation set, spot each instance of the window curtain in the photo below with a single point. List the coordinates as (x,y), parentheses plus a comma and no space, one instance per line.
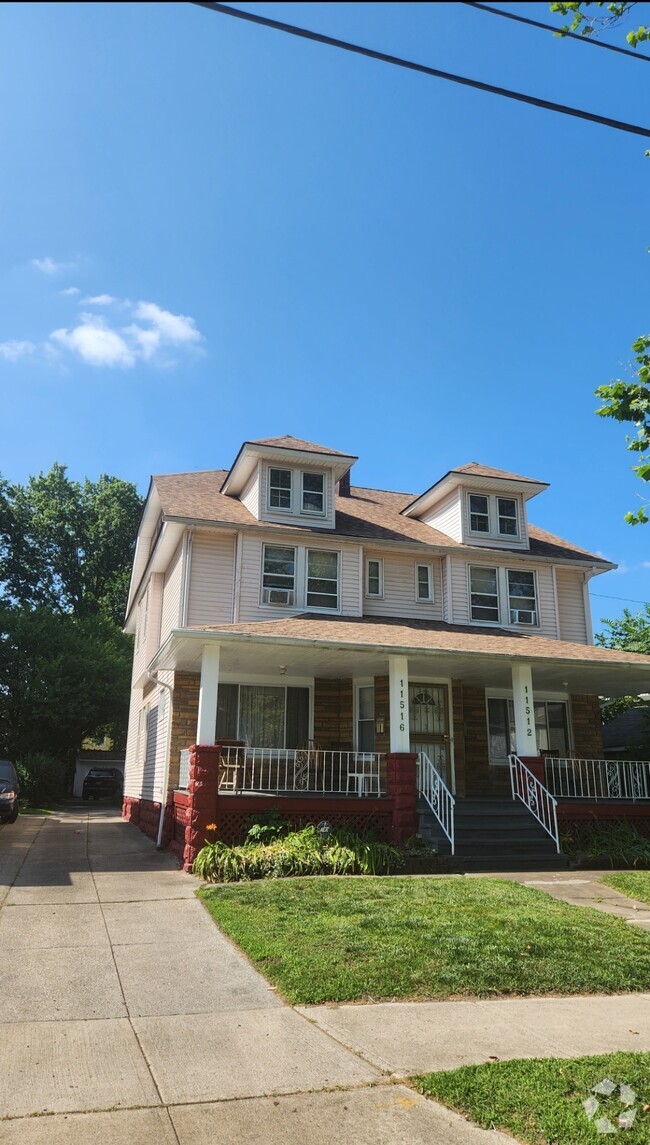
(261,716)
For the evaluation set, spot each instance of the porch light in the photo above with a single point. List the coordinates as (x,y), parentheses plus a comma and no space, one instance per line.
(380,723)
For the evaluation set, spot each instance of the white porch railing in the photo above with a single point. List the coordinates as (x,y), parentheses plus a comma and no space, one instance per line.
(535,796)
(301,769)
(598,778)
(184,769)
(432,787)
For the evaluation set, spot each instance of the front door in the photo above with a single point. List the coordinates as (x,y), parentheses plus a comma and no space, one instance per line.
(429,724)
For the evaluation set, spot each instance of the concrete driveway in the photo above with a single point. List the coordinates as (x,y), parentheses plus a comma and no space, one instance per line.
(127,1016)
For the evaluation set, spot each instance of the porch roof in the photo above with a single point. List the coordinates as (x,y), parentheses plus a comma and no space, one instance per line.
(334,646)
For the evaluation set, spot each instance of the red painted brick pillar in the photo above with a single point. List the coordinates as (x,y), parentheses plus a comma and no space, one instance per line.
(202,790)
(402,787)
(535,763)
(131,810)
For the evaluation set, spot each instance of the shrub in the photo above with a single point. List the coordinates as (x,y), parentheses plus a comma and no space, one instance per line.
(305,852)
(43,778)
(619,842)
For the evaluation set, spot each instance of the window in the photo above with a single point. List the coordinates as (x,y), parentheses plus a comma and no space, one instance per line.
(423,582)
(551,728)
(263,716)
(322,579)
(374,578)
(484,596)
(279,488)
(522,601)
(493,516)
(479,516)
(313,493)
(278,576)
(507,512)
(366,717)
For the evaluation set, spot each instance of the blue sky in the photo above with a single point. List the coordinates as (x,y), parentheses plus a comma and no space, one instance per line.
(213,232)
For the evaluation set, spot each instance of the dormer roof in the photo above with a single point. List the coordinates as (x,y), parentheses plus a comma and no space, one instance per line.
(474,475)
(287,450)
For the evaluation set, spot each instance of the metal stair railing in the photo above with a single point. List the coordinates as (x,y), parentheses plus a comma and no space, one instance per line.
(535,796)
(432,787)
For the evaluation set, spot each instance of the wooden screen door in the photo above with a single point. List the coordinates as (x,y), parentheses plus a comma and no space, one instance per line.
(429,724)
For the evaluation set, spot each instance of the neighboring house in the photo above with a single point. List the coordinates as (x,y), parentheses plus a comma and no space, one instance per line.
(628,736)
(326,634)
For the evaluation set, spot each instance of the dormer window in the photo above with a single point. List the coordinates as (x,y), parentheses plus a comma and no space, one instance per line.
(280,489)
(492,516)
(313,493)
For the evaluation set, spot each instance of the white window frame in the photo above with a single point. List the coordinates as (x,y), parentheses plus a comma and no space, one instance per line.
(279,508)
(300,578)
(363,682)
(264,588)
(379,595)
(517,533)
(503,597)
(429,599)
(313,512)
(493,515)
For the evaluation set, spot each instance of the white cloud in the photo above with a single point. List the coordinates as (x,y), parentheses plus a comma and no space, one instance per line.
(146,341)
(49,266)
(12,351)
(70,291)
(95,343)
(99,300)
(176,329)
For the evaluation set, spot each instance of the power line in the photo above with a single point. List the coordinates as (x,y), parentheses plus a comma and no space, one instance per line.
(556,31)
(410,65)
(624,599)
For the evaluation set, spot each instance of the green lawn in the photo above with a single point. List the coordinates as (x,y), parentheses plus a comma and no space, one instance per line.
(342,939)
(540,1101)
(636,884)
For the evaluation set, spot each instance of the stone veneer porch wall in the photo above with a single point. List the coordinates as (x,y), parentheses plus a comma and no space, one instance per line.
(587,727)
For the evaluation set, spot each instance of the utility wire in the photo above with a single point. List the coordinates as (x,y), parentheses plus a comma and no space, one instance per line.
(556,31)
(624,599)
(410,65)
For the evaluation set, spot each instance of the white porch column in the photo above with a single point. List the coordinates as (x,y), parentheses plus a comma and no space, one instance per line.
(398,692)
(207,721)
(522,694)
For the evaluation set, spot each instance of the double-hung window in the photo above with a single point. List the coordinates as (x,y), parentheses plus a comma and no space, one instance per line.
(492,516)
(313,493)
(279,575)
(522,599)
(479,513)
(424,582)
(322,579)
(374,577)
(280,489)
(484,593)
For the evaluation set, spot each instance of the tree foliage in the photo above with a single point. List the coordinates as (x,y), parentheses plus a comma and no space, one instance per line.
(68,545)
(590,23)
(632,633)
(66,549)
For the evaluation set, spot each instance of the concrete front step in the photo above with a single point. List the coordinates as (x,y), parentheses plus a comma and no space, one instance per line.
(493,835)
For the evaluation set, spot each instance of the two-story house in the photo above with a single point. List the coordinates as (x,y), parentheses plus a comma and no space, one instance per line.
(315,629)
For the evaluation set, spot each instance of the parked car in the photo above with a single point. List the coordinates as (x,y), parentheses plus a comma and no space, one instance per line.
(102,783)
(9,791)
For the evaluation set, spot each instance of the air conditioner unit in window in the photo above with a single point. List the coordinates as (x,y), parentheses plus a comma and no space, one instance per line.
(523,616)
(277,596)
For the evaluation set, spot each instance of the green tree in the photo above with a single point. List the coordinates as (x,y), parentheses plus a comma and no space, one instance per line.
(632,633)
(66,549)
(68,544)
(626,401)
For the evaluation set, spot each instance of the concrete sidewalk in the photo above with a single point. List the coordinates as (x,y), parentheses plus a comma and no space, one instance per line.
(584,888)
(127,1015)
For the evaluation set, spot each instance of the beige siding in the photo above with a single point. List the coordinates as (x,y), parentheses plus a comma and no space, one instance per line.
(171,609)
(459,594)
(446,517)
(571,606)
(251,494)
(133,766)
(211,579)
(147,635)
(399,588)
(251,573)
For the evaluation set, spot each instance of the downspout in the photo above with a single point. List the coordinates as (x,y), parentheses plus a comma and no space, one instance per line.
(153,676)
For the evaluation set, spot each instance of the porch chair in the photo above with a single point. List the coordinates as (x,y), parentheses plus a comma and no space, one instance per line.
(362,776)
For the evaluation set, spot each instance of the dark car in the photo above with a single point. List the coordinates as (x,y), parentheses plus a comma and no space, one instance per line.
(102,783)
(9,790)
